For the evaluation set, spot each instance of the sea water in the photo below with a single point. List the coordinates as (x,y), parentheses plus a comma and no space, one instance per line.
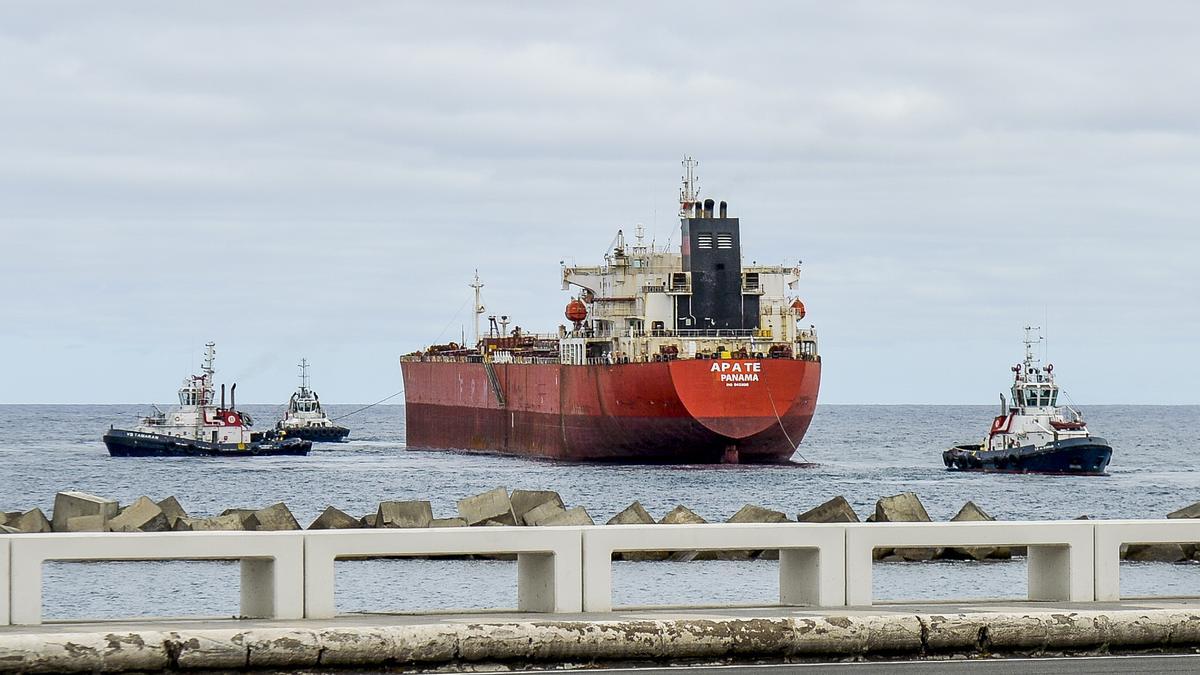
(860,452)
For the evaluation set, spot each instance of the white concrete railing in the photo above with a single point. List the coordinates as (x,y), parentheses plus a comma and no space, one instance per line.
(272,564)
(812,563)
(549,567)
(290,575)
(1060,558)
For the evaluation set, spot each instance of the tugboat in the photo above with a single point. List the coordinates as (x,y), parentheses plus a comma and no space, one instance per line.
(198,428)
(1035,435)
(304,417)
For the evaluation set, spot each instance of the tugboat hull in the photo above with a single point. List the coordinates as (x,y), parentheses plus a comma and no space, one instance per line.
(332,434)
(122,443)
(1082,456)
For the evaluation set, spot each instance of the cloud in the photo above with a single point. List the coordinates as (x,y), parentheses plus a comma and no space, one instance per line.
(325,178)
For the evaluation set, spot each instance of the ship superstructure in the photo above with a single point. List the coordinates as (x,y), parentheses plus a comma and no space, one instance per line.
(1035,433)
(199,425)
(304,417)
(679,354)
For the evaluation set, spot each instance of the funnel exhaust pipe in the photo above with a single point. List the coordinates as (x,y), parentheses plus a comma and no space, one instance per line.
(232,390)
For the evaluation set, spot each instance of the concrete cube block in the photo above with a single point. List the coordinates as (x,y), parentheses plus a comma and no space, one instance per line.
(490,505)
(68,505)
(33,521)
(539,514)
(228,521)
(272,518)
(448,522)
(634,514)
(1192,511)
(1155,553)
(404,514)
(242,514)
(576,515)
(172,510)
(972,513)
(143,515)
(905,507)
(334,519)
(5,529)
(751,513)
(96,523)
(836,510)
(525,500)
(369,519)
(682,515)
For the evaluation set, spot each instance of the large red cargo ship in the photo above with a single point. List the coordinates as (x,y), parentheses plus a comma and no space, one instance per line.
(682,356)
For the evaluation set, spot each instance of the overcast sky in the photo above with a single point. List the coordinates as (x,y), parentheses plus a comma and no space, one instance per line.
(320,179)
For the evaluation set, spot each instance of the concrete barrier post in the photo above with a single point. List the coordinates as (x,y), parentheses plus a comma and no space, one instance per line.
(1060,564)
(811,567)
(272,567)
(549,565)
(1111,534)
(5,554)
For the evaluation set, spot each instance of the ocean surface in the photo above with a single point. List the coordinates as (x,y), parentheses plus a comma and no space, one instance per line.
(861,452)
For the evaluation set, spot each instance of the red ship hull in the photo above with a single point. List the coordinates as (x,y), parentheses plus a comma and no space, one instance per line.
(681,411)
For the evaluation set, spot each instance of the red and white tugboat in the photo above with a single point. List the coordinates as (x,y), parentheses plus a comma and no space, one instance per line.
(200,428)
(304,417)
(1035,435)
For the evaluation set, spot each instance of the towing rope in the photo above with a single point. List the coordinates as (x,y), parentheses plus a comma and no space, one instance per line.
(382,400)
(786,435)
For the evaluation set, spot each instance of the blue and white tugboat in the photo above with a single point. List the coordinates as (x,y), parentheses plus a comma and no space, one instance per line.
(1035,435)
(305,418)
(199,427)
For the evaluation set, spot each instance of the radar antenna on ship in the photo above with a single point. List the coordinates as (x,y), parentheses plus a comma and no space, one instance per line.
(690,192)
(210,352)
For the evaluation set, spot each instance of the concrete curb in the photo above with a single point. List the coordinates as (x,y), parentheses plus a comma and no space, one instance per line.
(596,641)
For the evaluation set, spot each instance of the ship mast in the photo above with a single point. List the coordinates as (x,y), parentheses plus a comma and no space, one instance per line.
(690,192)
(303,375)
(1029,343)
(479,308)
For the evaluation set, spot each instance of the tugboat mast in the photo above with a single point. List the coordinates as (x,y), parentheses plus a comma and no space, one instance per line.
(303,374)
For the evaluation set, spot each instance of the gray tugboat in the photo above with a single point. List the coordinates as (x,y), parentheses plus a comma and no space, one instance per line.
(200,427)
(1035,435)
(304,417)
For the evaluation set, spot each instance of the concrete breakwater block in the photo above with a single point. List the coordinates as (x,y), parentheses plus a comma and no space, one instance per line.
(905,507)
(448,522)
(523,501)
(576,515)
(143,515)
(682,515)
(636,514)
(334,519)
(404,514)
(1192,511)
(972,513)
(491,505)
(172,509)
(272,518)
(541,513)
(241,514)
(836,510)
(32,521)
(751,513)
(69,505)
(1154,553)
(229,521)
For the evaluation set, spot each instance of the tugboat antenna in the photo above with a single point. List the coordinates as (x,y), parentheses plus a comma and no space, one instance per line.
(210,352)
(303,374)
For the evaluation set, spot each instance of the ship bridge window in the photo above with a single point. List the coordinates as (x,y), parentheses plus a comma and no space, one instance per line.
(704,240)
